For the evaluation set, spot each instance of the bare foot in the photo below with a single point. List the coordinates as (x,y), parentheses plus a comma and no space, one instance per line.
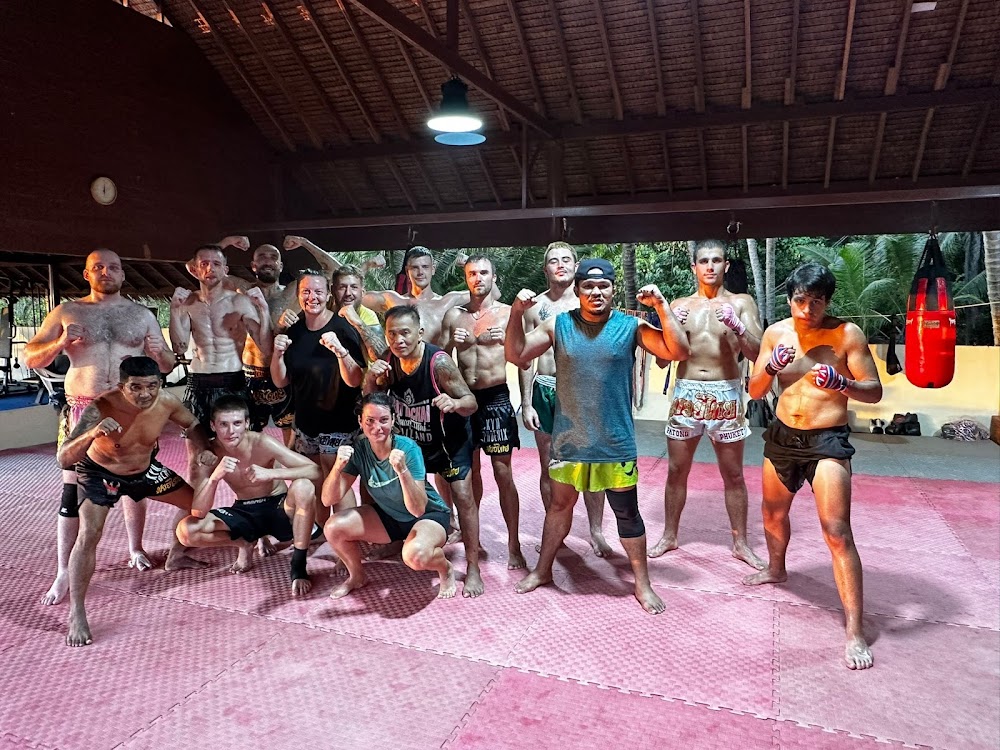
(139,560)
(649,599)
(857,654)
(182,561)
(515,560)
(742,551)
(531,582)
(348,586)
(666,544)
(57,591)
(301,586)
(473,585)
(265,546)
(454,537)
(244,560)
(79,631)
(447,587)
(384,551)
(600,545)
(765,576)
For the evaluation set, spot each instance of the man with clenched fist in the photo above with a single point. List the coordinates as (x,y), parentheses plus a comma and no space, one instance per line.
(820,362)
(708,395)
(97,333)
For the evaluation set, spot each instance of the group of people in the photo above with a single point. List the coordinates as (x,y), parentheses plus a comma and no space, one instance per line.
(426,393)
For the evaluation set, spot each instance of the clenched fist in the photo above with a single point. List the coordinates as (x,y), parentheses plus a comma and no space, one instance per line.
(179,297)
(524,299)
(281,344)
(650,296)
(107,426)
(726,315)
(226,466)
(397,460)
(73,333)
(287,319)
(344,454)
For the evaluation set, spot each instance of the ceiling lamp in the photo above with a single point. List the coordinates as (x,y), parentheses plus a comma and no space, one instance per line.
(454,121)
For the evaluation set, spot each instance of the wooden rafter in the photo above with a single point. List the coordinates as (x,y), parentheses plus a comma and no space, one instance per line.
(661,98)
(278,79)
(616,94)
(984,118)
(789,100)
(746,95)
(529,65)
(891,84)
(940,81)
(838,90)
(489,177)
(429,182)
(699,91)
(234,61)
(383,12)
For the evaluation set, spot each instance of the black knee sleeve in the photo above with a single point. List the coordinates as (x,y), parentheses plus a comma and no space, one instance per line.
(298,564)
(625,504)
(69,506)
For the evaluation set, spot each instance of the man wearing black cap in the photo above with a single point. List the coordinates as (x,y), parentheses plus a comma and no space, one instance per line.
(593,435)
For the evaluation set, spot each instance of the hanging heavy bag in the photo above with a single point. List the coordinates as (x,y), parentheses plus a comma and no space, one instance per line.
(892,364)
(930,322)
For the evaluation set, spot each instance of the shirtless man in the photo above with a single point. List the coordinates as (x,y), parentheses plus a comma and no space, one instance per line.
(432,405)
(820,362)
(112,448)
(218,319)
(593,439)
(420,269)
(476,331)
(96,332)
(256,467)
(708,395)
(538,382)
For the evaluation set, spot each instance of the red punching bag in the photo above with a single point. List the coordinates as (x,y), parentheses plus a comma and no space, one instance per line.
(930,322)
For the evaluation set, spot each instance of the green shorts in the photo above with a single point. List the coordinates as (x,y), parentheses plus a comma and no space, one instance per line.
(595,477)
(543,401)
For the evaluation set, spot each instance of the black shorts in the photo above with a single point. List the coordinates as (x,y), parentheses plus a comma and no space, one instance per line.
(796,453)
(204,388)
(399,530)
(494,425)
(453,468)
(267,401)
(252,519)
(103,487)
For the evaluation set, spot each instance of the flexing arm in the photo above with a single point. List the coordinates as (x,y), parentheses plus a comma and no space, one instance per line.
(180,321)
(205,481)
(519,348)
(338,482)
(414,492)
(155,346)
(288,465)
(51,339)
(381,301)
(372,337)
(257,319)
(455,395)
(90,427)
(279,370)
(327,263)
(670,343)
(350,371)
(377,377)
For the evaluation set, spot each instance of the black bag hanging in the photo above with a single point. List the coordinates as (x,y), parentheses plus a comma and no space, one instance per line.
(892,363)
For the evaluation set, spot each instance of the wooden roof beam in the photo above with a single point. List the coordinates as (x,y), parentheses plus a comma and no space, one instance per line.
(940,81)
(661,99)
(489,177)
(522,40)
(891,83)
(616,95)
(746,94)
(790,83)
(383,12)
(839,89)
(234,61)
(699,91)
(317,141)
(984,118)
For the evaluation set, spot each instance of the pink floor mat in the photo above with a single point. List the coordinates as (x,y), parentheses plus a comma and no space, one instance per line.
(207,658)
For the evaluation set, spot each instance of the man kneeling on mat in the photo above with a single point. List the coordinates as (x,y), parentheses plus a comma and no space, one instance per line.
(256,467)
(405,507)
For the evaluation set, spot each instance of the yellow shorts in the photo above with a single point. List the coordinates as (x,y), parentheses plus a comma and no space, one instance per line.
(595,477)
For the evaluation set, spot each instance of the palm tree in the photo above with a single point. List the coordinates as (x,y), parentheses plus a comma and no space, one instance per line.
(758,279)
(628,271)
(991,252)
(769,279)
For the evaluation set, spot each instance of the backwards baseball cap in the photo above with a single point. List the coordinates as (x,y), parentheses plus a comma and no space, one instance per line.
(594,268)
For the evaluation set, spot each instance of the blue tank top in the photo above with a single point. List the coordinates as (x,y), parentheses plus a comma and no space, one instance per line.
(594,361)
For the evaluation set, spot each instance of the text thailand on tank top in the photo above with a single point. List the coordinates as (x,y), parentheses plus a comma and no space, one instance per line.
(416,417)
(594,361)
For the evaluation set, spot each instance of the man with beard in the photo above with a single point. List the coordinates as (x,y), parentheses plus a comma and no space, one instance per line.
(476,331)
(96,332)
(113,448)
(218,319)
(538,382)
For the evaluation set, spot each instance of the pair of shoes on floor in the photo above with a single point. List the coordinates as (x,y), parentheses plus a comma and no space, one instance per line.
(903,424)
(877,426)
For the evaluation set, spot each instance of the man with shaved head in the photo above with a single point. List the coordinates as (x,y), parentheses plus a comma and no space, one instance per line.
(96,332)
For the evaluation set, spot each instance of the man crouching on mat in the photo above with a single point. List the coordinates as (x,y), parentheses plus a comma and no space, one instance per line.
(113,448)
(820,362)
(404,504)
(256,467)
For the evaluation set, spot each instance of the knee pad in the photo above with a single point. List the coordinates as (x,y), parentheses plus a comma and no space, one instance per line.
(625,505)
(69,506)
